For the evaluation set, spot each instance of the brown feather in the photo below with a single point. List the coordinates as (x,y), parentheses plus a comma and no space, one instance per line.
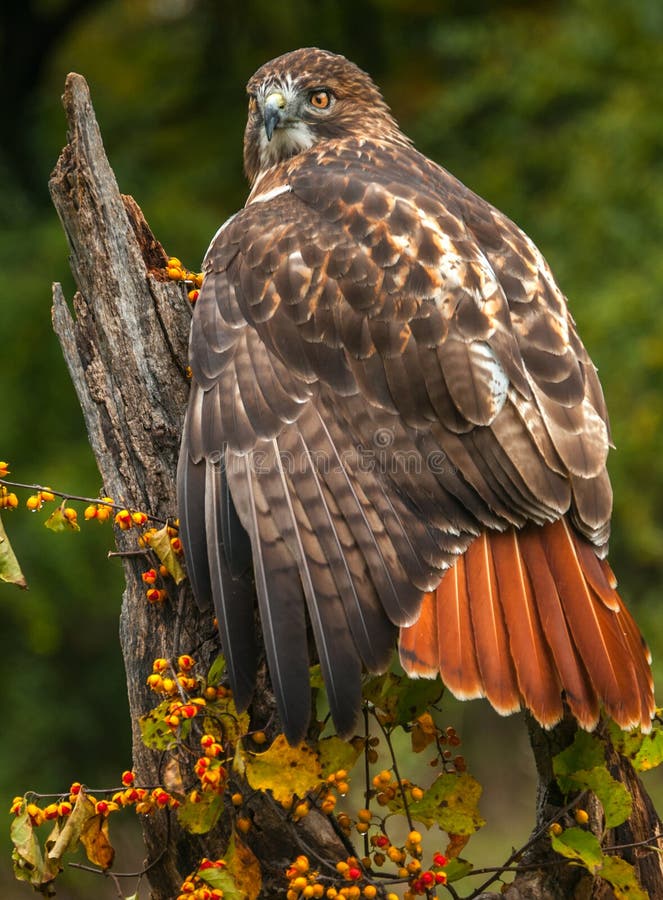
(371,321)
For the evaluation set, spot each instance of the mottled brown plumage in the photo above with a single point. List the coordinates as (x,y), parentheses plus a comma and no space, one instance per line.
(393,419)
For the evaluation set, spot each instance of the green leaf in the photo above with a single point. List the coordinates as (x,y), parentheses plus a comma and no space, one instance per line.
(217,670)
(29,863)
(10,571)
(315,677)
(621,876)
(586,752)
(582,766)
(57,521)
(401,698)
(650,753)
(159,541)
(335,753)
(581,846)
(154,731)
(201,816)
(223,879)
(450,802)
(615,799)
(645,751)
(457,868)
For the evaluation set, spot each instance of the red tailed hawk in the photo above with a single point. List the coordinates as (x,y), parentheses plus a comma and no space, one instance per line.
(394,429)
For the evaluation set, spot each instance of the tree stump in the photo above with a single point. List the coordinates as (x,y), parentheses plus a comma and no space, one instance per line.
(126,350)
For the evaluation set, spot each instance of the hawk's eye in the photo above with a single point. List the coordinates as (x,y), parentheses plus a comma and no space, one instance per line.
(253,104)
(320,99)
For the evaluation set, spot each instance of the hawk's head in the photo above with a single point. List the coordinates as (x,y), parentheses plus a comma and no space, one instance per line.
(307,96)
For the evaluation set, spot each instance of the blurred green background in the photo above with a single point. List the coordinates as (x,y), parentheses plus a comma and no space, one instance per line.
(552,110)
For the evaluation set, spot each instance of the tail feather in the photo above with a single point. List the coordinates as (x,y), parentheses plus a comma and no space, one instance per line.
(537,675)
(531,617)
(418,643)
(574,678)
(490,635)
(457,658)
(594,629)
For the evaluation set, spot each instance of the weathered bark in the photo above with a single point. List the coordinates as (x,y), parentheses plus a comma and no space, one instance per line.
(125,348)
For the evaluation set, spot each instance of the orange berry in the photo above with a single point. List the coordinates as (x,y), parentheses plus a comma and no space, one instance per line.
(90,512)
(128,778)
(259,737)
(186,662)
(70,514)
(33,503)
(51,811)
(123,519)
(150,576)
(581,816)
(243,824)
(36,814)
(64,808)
(556,828)
(155,682)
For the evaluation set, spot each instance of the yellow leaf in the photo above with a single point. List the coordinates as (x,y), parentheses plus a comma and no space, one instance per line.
(10,570)
(70,833)
(244,867)
(159,541)
(284,770)
(456,843)
(94,837)
(423,732)
(335,754)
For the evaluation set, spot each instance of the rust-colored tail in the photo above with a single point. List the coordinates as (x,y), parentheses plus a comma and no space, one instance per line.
(524,617)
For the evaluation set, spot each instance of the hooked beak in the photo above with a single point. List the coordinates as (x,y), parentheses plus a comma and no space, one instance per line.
(273,112)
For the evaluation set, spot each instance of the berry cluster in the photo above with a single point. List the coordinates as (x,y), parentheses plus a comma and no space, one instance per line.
(193,280)
(195,886)
(170,679)
(144,801)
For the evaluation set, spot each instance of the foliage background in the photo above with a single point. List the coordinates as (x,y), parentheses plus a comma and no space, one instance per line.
(550,109)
